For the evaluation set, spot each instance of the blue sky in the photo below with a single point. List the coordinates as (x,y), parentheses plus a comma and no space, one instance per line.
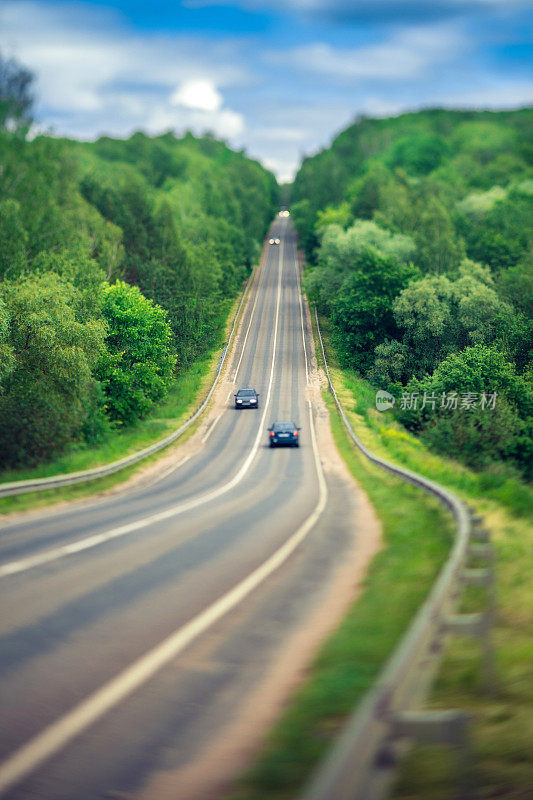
(277,77)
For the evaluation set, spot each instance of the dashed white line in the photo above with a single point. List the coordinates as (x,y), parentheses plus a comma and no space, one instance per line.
(301,317)
(209,431)
(246,336)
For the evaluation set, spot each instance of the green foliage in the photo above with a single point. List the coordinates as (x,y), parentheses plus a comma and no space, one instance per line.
(438,315)
(136,367)
(303,218)
(340,250)
(340,215)
(451,193)
(52,351)
(181,219)
(362,309)
(419,155)
(516,285)
(477,435)
(438,248)
(189,240)
(367,193)
(360,271)
(13,240)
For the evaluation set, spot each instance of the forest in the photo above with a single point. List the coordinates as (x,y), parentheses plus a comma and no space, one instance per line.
(119,263)
(417,231)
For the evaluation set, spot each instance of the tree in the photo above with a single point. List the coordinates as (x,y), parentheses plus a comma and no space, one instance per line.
(52,352)
(7,356)
(362,309)
(438,249)
(392,365)
(304,219)
(137,365)
(516,285)
(334,215)
(419,154)
(16,98)
(477,434)
(13,240)
(439,316)
(366,193)
(424,312)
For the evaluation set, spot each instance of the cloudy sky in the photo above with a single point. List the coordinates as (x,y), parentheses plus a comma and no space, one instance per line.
(277,77)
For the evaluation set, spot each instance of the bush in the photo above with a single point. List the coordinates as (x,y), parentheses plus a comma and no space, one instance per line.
(476,435)
(137,365)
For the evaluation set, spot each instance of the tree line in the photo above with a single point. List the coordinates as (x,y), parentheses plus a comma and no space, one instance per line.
(418,234)
(119,261)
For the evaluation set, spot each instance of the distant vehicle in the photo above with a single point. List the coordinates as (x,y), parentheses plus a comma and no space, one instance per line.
(283,213)
(273,241)
(246,398)
(284,434)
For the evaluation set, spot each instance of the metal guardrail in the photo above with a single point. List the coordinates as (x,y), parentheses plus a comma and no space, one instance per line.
(361,764)
(58,481)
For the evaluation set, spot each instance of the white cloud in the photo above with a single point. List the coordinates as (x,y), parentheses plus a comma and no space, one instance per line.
(406,54)
(199,94)
(94,75)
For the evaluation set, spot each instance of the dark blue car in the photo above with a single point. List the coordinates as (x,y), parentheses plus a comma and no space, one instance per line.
(284,434)
(246,398)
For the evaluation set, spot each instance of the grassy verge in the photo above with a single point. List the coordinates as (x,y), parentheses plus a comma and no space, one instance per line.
(417,535)
(502,724)
(184,396)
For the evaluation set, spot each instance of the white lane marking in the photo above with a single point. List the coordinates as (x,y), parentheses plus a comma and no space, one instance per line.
(53,738)
(301,316)
(14,567)
(247,332)
(229,394)
(209,431)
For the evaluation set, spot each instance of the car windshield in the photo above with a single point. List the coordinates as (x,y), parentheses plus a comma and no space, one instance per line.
(284,426)
(246,393)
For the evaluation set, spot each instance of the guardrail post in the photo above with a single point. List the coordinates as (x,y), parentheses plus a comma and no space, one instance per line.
(479,625)
(477,531)
(450,727)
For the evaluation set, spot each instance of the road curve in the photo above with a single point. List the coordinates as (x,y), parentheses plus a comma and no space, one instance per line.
(134,626)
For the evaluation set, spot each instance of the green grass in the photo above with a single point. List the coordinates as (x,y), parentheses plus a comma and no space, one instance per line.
(184,396)
(502,723)
(404,448)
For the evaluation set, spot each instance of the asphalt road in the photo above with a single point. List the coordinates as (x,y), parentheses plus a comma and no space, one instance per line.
(134,626)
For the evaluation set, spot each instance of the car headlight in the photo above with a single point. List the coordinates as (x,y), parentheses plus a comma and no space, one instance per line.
(253,400)
(239,401)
